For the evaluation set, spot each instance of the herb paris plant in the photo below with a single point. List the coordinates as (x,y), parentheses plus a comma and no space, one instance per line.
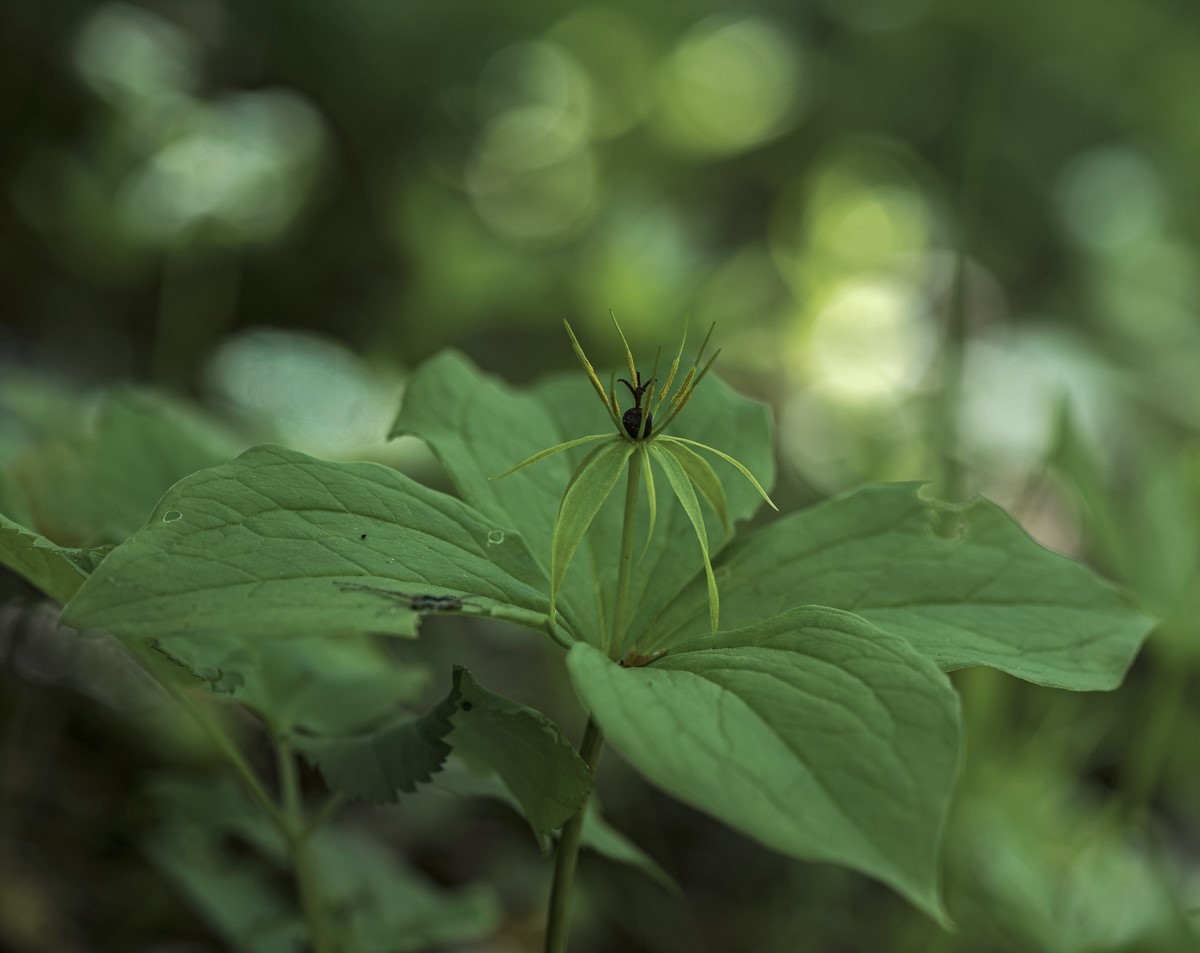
(636,444)
(818,720)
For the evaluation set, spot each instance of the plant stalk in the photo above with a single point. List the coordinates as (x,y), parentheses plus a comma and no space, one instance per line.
(626,563)
(558,918)
(307,886)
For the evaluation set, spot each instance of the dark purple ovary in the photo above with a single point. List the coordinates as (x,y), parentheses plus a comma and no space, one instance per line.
(632,419)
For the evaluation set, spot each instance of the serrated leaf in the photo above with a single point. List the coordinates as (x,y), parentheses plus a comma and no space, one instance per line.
(814,732)
(527,751)
(478,426)
(991,596)
(256,547)
(588,488)
(378,765)
(682,486)
(58,571)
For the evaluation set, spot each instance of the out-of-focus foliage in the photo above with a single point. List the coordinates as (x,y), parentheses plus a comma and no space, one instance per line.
(952,242)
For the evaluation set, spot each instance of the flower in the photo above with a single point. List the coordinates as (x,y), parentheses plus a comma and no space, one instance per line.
(640,441)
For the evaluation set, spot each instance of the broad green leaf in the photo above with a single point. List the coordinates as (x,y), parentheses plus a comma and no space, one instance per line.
(813,732)
(479,427)
(525,749)
(376,905)
(678,478)
(57,570)
(379,764)
(588,488)
(989,596)
(256,548)
(704,478)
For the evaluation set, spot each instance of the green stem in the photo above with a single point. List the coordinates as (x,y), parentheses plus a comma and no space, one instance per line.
(233,755)
(626,563)
(299,831)
(558,918)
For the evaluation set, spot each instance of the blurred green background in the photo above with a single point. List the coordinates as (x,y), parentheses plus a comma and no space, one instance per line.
(945,241)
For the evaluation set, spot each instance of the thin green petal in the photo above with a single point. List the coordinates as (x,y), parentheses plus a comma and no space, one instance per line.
(542,454)
(703,477)
(728,459)
(682,486)
(588,488)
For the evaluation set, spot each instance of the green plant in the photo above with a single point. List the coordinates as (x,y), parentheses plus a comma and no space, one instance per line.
(790,681)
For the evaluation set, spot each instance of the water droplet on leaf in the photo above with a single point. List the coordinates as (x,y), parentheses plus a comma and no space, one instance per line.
(495,537)
(171,516)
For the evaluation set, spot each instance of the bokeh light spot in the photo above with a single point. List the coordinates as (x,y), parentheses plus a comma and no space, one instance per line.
(1109,198)
(532,177)
(613,50)
(243,167)
(729,85)
(871,341)
(129,55)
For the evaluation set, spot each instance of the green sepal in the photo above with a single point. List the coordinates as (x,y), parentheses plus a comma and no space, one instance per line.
(730,460)
(678,478)
(550,451)
(652,500)
(703,477)
(590,485)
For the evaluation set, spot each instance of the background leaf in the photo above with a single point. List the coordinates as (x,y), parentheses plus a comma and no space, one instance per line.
(253,548)
(95,480)
(58,571)
(989,596)
(380,906)
(813,732)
